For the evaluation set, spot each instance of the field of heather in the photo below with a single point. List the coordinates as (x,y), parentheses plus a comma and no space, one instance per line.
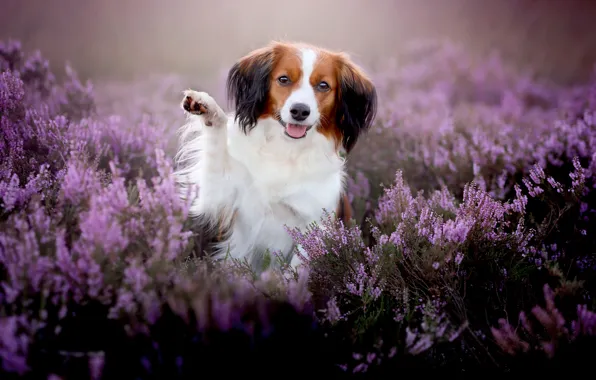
(472,246)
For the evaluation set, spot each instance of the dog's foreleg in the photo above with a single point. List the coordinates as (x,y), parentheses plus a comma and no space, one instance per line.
(212,172)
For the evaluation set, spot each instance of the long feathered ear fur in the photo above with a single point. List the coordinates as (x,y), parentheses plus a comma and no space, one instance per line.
(248,85)
(357,103)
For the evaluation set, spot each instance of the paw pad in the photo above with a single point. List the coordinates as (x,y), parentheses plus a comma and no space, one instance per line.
(194,107)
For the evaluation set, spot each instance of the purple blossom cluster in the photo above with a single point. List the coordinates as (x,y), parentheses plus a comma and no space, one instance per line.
(555,331)
(474,191)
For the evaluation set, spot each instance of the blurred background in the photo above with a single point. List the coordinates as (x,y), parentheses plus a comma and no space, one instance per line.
(130,38)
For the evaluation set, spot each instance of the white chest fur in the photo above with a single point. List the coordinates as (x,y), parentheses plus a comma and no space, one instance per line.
(268,181)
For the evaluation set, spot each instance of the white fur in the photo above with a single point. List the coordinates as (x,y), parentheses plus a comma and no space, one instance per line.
(270,179)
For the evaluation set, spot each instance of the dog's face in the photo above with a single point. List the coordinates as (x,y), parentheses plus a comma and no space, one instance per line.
(306,89)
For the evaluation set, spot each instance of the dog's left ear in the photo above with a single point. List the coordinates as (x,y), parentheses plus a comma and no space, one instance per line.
(248,85)
(357,98)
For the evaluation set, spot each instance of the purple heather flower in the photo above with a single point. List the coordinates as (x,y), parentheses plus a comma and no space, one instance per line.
(333,313)
(13,345)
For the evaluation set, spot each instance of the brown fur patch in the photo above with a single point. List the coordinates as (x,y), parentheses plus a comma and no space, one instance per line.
(286,61)
(224,224)
(326,69)
(344,209)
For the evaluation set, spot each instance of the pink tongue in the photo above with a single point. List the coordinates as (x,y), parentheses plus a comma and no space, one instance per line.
(295,130)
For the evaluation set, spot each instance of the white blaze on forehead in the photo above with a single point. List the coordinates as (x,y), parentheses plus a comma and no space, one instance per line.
(309,56)
(304,93)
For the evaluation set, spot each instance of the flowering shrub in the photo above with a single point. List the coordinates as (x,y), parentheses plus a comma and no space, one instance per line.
(475,204)
(438,268)
(447,119)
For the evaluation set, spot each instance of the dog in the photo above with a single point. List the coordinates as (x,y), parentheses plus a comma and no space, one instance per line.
(278,160)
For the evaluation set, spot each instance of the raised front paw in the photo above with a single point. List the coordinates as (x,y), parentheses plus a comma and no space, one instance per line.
(201,103)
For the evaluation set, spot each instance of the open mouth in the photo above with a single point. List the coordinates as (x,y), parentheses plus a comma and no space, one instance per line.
(295,131)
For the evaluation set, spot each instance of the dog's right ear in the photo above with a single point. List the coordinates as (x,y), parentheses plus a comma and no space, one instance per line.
(248,86)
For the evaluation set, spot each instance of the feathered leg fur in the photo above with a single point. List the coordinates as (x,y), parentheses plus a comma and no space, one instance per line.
(210,158)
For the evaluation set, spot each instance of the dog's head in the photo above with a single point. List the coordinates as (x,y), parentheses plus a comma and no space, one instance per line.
(306,89)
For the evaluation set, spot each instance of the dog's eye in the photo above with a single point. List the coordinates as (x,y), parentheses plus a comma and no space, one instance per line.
(283,80)
(323,87)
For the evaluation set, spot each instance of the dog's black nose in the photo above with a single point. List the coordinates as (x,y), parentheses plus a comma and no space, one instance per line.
(300,111)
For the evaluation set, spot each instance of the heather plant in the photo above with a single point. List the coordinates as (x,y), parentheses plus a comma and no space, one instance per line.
(440,269)
(474,197)
(71,97)
(542,334)
(448,118)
